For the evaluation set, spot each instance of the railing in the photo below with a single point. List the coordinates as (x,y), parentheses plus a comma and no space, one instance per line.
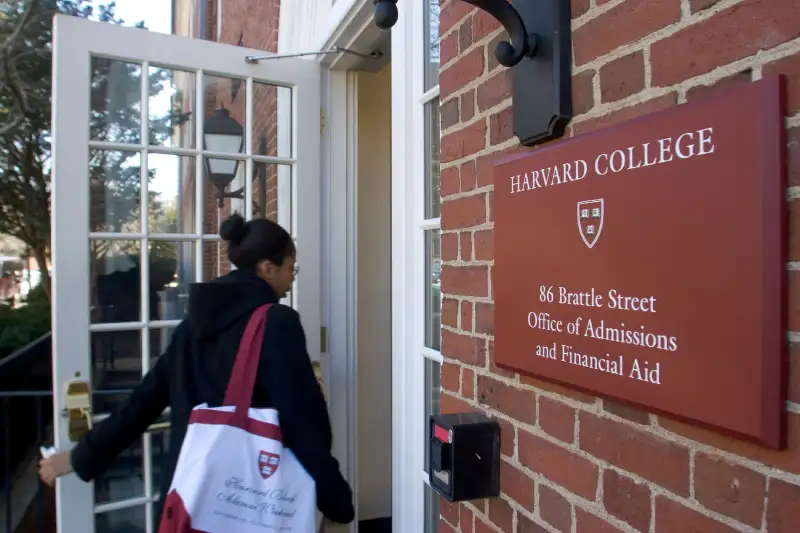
(26,506)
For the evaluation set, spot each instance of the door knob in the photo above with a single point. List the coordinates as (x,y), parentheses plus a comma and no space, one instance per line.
(78,409)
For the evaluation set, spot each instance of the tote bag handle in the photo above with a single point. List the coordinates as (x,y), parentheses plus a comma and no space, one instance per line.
(243,376)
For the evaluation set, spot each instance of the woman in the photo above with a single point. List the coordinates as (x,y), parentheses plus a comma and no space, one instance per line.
(198,363)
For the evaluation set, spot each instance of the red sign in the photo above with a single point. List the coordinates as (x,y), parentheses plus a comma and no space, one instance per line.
(645,262)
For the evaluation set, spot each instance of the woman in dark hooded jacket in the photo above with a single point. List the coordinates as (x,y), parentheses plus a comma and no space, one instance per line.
(197,365)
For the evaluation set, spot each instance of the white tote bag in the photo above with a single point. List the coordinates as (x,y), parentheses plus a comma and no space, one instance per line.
(233,473)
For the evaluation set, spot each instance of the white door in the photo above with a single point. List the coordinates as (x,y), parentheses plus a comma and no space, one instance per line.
(147,161)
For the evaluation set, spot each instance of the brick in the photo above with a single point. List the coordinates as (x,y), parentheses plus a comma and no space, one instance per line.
(631,21)
(673,517)
(484,318)
(699,5)
(633,450)
(449,181)
(557,419)
(468,383)
(557,389)
(495,90)
(507,431)
(516,403)
(627,500)
(526,525)
(702,91)
(469,176)
(465,319)
(622,77)
(484,167)
(449,246)
(627,412)
(450,312)
(586,522)
(501,126)
(464,142)
(792,157)
(783,510)
(464,212)
(449,511)
(483,24)
(468,105)
(465,70)
(482,526)
(444,527)
(493,368)
(501,514)
(626,113)
(467,519)
(516,485)
(579,7)
(451,404)
(730,490)
(469,350)
(465,35)
(448,48)
(732,34)
(788,460)
(465,250)
(449,113)
(790,68)
(451,377)
(561,466)
(465,280)
(452,13)
(554,509)
(484,245)
(582,92)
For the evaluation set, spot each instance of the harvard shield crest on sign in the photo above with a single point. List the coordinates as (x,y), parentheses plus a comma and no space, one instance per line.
(590,220)
(268,463)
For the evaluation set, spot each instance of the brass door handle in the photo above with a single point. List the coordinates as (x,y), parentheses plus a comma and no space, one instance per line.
(80,418)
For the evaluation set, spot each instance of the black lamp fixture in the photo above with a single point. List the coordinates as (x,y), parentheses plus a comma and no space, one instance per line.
(539,54)
(223,134)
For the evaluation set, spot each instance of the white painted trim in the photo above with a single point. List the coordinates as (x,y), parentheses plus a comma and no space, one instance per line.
(341,294)
(429,95)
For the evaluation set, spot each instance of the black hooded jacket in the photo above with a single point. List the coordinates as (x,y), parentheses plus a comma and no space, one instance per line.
(195,369)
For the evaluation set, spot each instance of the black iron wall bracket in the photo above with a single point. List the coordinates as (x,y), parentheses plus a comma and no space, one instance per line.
(539,54)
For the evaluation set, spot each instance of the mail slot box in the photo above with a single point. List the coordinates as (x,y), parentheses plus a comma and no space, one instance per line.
(464,456)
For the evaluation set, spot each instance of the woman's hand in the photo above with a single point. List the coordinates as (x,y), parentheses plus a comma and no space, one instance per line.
(55,466)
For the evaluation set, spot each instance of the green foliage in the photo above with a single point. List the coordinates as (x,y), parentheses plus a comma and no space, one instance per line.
(23,325)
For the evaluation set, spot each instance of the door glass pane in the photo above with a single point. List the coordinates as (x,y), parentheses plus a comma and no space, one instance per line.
(170,107)
(224,123)
(432,511)
(432,49)
(115,185)
(433,394)
(131,520)
(433,289)
(272,120)
(215,259)
(172,194)
(116,101)
(225,191)
(115,282)
(433,133)
(172,271)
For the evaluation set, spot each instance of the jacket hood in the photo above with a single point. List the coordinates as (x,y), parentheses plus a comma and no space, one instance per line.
(215,305)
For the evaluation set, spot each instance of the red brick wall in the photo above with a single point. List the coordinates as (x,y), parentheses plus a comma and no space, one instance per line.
(571,462)
(253,25)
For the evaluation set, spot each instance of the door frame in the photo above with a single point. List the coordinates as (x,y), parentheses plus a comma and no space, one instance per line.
(340,151)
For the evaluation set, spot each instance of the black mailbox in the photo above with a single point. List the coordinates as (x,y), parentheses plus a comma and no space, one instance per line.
(464,456)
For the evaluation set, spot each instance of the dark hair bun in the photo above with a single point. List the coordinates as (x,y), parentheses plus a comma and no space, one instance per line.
(234,229)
